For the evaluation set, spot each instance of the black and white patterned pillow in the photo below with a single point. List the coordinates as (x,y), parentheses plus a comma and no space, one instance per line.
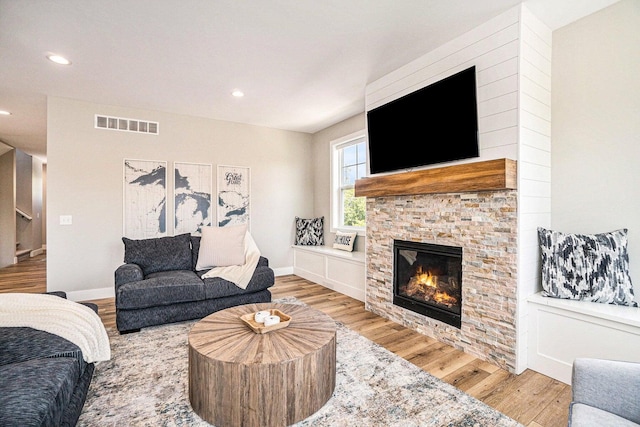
(310,232)
(588,267)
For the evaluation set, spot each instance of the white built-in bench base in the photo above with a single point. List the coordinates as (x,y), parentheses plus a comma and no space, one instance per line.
(341,271)
(561,330)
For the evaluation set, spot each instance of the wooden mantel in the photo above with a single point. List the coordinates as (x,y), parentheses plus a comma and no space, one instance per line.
(489,175)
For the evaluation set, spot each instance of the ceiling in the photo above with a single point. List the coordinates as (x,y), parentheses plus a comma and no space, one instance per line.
(302,64)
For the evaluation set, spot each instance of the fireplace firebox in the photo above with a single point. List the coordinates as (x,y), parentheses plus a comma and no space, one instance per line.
(428,280)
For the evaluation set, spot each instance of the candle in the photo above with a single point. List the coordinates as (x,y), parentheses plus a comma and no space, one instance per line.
(271,320)
(260,316)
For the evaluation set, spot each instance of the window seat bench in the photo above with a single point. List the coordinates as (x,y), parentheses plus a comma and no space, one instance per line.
(561,330)
(335,269)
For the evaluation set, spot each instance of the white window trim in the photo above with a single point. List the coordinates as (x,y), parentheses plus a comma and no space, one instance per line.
(335,177)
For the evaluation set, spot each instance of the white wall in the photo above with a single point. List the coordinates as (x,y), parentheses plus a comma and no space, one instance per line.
(7,205)
(37,202)
(322,172)
(595,151)
(44,205)
(24,200)
(84,179)
(29,199)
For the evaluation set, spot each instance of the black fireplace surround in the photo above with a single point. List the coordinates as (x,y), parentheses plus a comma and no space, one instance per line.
(427,279)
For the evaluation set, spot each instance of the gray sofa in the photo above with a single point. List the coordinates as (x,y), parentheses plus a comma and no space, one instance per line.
(158,283)
(605,393)
(43,378)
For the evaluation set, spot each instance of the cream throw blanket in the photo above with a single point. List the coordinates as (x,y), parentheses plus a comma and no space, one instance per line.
(67,319)
(239,274)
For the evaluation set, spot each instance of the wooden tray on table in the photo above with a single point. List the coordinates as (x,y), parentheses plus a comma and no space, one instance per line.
(259,328)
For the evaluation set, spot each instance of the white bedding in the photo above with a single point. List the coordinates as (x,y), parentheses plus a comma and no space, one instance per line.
(67,319)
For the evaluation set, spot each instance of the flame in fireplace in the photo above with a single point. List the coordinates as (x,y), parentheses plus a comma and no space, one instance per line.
(426,279)
(425,284)
(445,298)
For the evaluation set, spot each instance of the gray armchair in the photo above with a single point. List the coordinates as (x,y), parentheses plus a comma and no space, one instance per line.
(605,393)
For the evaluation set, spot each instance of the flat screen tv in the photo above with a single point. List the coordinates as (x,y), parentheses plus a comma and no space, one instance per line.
(435,124)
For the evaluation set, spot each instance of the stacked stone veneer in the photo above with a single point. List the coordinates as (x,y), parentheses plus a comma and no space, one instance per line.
(484,224)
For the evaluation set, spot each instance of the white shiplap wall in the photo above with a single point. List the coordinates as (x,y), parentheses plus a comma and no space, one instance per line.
(512,55)
(534,164)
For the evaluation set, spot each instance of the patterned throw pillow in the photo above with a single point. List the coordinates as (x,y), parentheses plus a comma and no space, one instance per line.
(344,241)
(310,232)
(588,267)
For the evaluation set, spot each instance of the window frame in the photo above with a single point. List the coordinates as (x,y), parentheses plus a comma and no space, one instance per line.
(336,207)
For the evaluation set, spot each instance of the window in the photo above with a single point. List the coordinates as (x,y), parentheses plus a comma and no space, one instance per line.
(348,163)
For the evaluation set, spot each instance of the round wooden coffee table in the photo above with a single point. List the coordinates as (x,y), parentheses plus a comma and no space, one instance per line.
(238,377)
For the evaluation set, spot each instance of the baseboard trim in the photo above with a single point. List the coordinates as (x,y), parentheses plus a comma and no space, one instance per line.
(283,271)
(345,289)
(36,252)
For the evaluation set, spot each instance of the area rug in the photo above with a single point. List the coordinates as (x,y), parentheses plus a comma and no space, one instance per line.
(146,384)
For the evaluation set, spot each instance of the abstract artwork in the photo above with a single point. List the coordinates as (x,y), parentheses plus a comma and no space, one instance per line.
(192,197)
(233,195)
(145,199)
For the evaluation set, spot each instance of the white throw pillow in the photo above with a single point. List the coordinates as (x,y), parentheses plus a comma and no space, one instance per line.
(221,246)
(344,241)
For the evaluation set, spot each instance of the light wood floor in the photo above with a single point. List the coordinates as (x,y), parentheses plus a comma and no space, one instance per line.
(533,399)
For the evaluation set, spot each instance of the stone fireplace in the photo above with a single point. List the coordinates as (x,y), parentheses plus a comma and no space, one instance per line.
(484,225)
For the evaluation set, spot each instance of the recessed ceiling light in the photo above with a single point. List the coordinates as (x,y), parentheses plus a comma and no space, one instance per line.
(4,113)
(59,59)
(237,93)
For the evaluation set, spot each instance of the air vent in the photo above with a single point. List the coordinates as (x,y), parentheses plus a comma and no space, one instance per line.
(126,125)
